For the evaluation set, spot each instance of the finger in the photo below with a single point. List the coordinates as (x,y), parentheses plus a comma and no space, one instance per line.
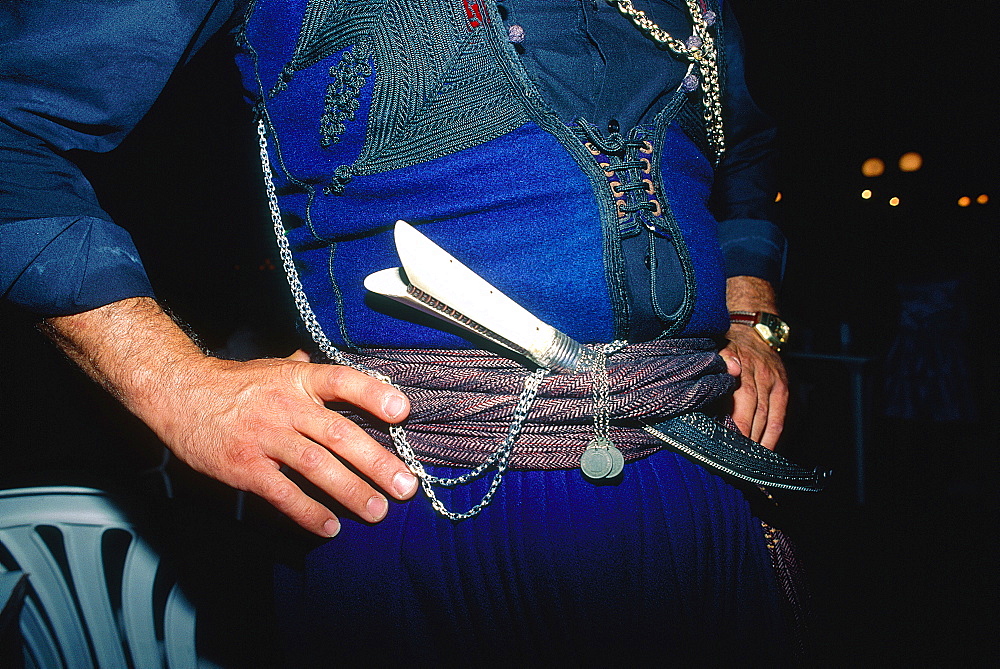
(346,439)
(331,475)
(299,356)
(760,416)
(337,383)
(275,488)
(744,404)
(776,417)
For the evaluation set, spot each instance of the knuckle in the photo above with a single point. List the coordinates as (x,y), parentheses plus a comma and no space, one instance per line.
(339,376)
(285,496)
(281,494)
(244,456)
(312,458)
(383,465)
(354,492)
(336,432)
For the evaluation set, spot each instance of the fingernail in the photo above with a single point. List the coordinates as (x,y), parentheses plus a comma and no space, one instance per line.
(393,406)
(404,483)
(377,508)
(331,527)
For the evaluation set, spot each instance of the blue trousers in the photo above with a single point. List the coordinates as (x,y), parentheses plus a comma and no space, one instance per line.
(668,563)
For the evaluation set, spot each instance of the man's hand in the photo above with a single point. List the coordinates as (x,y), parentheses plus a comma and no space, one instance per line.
(239,422)
(760,401)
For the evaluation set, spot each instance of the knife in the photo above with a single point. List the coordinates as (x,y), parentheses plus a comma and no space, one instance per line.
(435,282)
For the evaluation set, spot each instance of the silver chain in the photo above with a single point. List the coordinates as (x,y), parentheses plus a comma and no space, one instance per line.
(288,263)
(701,51)
(499,458)
(601,385)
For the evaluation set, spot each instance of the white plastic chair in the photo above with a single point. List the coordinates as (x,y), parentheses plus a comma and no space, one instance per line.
(97,597)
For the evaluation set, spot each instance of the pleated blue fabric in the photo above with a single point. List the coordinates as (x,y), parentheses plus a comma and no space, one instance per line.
(667,563)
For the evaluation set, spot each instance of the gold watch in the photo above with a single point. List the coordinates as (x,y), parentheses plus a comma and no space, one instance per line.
(771,329)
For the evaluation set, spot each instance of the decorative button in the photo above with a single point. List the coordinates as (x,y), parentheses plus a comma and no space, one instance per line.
(693,42)
(689,83)
(710,17)
(515,34)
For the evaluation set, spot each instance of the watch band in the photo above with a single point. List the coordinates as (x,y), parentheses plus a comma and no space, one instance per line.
(748,318)
(770,327)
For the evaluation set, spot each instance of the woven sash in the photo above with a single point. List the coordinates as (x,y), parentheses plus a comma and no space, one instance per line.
(463,400)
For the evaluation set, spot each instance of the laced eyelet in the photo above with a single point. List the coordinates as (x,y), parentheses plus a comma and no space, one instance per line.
(645,165)
(649,185)
(614,188)
(620,206)
(646,148)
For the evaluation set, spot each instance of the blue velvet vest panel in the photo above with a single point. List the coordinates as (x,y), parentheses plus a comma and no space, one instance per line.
(416,109)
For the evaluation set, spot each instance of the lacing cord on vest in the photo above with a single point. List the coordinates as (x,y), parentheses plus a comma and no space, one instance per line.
(621,153)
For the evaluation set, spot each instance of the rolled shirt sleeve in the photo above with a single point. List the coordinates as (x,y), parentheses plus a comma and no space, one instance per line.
(744,191)
(79,75)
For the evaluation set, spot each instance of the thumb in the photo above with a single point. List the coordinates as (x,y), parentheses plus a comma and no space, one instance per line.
(733,364)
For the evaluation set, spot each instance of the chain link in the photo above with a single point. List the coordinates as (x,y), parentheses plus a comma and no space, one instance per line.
(601,387)
(499,458)
(701,51)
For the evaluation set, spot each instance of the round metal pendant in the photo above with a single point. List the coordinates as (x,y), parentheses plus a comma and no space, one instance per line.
(596,461)
(617,462)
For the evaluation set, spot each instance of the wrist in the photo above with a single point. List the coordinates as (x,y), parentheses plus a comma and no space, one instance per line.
(768,326)
(750,294)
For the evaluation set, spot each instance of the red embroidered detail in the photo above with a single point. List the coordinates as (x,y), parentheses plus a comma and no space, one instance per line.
(473,14)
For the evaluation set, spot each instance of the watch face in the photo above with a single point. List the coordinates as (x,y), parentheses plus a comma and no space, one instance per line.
(772,329)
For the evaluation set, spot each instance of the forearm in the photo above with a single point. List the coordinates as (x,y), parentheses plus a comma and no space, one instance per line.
(749,293)
(131,347)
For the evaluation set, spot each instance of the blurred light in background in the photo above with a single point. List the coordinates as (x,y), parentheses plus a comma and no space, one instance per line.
(866,194)
(873,167)
(777,198)
(964,201)
(911,162)
(983,199)
(893,201)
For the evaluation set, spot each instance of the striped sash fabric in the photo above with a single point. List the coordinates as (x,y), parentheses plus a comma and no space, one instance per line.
(463,400)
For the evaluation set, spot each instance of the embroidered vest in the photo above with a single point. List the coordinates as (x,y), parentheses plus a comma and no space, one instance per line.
(421,110)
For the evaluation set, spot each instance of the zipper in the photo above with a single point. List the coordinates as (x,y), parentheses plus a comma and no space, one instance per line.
(713,464)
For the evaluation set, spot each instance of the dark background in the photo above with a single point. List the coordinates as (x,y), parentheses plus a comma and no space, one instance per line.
(904,576)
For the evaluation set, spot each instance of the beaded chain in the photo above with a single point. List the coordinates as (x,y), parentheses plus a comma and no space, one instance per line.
(499,459)
(698,49)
